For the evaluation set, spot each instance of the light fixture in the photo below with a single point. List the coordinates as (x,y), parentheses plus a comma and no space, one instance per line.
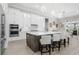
(53,13)
(24,14)
(43,9)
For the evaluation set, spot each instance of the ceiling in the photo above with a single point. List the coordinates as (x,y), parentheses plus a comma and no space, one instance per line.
(58,10)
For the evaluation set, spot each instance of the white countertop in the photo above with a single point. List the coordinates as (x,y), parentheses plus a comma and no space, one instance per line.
(44,33)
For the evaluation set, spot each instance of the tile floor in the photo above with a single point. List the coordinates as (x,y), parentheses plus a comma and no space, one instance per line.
(20,48)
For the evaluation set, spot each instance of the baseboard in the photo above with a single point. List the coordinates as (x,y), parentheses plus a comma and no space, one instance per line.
(16,40)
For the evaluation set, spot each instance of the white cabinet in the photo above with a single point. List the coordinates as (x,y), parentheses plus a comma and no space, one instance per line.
(11,17)
(15,17)
(22,19)
(39,21)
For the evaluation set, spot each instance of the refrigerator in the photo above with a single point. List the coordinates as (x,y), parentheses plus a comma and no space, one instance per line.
(2,31)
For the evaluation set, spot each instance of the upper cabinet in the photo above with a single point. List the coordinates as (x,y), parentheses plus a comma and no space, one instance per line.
(15,16)
(27,20)
(39,21)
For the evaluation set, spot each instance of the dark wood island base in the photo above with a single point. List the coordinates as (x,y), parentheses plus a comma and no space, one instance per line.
(33,42)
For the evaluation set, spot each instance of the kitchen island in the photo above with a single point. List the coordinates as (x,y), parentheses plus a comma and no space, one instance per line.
(33,39)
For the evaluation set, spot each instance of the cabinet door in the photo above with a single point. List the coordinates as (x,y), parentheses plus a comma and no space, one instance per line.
(28,40)
(35,43)
(32,43)
(41,24)
(39,21)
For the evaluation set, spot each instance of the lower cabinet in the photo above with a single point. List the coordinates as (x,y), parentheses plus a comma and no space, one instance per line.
(32,41)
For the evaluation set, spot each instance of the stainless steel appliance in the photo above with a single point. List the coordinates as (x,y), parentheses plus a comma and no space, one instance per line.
(14,30)
(3,33)
(2,30)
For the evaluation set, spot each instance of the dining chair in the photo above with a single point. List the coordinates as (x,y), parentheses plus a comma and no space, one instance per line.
(45,44)
(67,38)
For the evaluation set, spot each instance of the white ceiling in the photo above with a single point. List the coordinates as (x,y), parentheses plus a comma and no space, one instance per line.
(52,9)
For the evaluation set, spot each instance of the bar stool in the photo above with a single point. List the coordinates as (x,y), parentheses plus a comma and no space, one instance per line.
(63,39)
(56,41)
(67,38)
(45,42)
